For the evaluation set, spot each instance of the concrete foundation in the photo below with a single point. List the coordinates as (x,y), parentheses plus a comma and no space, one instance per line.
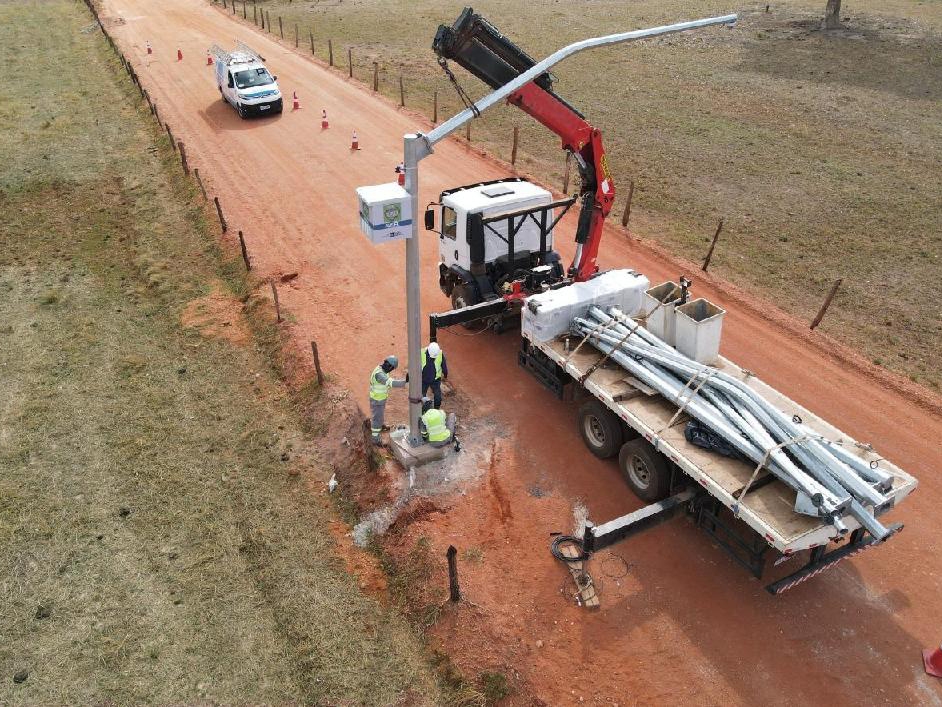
(411,457)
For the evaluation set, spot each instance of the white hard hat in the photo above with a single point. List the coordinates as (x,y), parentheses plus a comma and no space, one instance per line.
(434,349)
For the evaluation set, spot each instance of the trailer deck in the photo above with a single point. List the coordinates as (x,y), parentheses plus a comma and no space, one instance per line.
(768,506)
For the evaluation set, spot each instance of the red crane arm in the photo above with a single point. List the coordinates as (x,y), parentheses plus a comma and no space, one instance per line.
(584,142)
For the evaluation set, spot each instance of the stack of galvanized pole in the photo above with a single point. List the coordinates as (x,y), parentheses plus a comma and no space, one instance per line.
(829,480)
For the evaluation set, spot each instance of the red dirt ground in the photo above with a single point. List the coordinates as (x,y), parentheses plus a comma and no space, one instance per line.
(685,624)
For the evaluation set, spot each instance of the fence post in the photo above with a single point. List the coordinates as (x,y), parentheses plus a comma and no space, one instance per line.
(312,41)
(827,303)
(350,62)
(157,116)
(245,11)
(245,252)
(513,147)
(435,107)
(274,292)
(268,20)
(186,167)
(317,363)
(255,15)
(566,173)
(467,131)
(330,52)
(709,255)
(173,142)
(454,593)
(222,220)
(281,27)
(631,193)
(196,173)
(402,93)
(375,75)
(296,36)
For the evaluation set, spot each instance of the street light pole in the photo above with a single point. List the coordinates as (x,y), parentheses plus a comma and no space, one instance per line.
(417,146)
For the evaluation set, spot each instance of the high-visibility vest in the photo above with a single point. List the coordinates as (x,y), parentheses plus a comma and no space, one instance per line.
(378,390)
(438,362)
(435,425)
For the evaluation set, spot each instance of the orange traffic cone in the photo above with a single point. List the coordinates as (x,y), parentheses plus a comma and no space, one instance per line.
(297,102)
(324,124)
(150,49)
(355,142)
(933,661)
(179,55)
(209,58)
(401,174)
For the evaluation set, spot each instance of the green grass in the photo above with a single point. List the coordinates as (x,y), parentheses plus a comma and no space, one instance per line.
(820,151)
(155,544)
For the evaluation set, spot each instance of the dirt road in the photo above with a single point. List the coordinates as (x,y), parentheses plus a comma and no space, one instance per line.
(685,623)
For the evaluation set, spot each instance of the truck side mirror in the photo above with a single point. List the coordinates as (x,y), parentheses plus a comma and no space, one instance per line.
(430,219)
(275,77)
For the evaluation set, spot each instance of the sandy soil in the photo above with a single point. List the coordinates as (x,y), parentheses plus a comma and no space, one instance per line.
(685,623)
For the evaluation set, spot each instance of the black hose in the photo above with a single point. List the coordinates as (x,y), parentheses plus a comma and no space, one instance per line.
(557,553)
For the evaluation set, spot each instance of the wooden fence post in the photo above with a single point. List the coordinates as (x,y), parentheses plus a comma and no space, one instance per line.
(435,107)
(402,93)
(245,11)
(245,252)
(312,41)
(268,20)
(709,255)
(317,363)
(157,116)
(255,14)
(627,213)
(375,75)
(350,62)
(330,52)
(296,37)
(566,173)
(454,592)
(173,142)
(186,167)
(467,131)
(274,292)
(513,146)
(196,173)
(281,27)
(222,219)
(827,303)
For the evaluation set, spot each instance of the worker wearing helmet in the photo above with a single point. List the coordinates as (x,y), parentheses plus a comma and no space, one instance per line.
(437,428)
(434,370)
(380,383)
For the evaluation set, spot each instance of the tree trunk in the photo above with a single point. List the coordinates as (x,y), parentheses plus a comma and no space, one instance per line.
(832,15)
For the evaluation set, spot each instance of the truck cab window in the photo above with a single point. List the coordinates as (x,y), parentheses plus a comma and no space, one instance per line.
(231,84)
(449,223)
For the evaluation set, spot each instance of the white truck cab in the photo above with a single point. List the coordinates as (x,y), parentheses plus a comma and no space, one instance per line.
(492,234)
(244,81)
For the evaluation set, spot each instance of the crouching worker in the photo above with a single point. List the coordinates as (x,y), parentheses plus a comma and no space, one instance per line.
(437,428)
(380,383)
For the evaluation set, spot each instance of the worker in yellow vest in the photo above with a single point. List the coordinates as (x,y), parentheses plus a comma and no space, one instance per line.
(438,429)
(380,384)
(434,371)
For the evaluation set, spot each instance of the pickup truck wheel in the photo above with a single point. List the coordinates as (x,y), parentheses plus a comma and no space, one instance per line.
(241,109)
(645,470)
(601,429)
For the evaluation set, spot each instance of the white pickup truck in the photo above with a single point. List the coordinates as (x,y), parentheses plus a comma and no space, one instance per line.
(244,81)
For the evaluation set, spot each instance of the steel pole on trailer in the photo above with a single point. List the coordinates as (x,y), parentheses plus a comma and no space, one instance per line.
(418,146)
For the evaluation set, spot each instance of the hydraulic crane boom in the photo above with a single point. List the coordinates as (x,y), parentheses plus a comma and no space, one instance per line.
(476,45)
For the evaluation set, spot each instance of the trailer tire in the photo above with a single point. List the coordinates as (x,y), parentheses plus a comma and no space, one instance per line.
(600,428)
(645,470)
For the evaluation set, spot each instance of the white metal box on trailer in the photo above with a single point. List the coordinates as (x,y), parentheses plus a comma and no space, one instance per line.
(549,314)
(385,212)
(698,327)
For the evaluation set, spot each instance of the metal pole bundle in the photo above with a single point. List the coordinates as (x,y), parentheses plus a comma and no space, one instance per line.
(830,481)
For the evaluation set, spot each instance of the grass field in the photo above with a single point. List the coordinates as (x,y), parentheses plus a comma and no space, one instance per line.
(163,537)
(820,151)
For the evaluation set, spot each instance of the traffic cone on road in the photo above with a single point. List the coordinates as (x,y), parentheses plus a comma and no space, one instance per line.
(324,123)
(933,661)
(401,174)
(150,49)
(179,55)
(355,142)
(296,102)
(209,58)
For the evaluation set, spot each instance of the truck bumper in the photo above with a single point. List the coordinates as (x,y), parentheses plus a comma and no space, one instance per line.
(273,107)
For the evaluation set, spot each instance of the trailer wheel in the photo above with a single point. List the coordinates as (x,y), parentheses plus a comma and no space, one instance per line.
(645,470)
(600,428)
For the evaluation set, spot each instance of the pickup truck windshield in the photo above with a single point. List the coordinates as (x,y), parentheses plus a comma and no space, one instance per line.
(252,77)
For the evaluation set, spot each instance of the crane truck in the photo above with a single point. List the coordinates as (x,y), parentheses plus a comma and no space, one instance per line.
(497,259)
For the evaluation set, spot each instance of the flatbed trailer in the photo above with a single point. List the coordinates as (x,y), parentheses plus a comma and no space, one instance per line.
(724,489)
